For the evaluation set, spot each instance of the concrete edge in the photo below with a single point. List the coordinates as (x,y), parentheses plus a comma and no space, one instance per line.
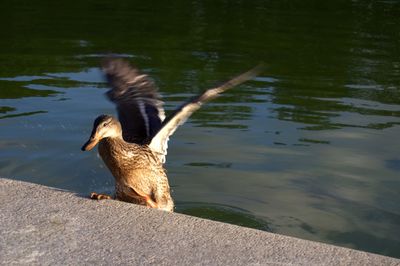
(46,226)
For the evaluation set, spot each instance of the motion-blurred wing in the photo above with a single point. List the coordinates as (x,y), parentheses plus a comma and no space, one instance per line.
(159,142)
(138,103)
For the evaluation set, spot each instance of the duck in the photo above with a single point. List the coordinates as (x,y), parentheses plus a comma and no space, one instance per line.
(134,146)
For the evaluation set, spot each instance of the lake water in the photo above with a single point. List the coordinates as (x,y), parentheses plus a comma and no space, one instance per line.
(310,148)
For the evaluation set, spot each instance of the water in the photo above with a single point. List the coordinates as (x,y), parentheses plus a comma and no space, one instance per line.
(310,148)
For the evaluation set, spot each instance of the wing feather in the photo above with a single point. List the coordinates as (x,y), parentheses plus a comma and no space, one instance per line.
(139,106)
(159,143)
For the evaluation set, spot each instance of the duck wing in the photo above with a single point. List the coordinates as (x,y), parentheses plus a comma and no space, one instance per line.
(159,142)
(138,102)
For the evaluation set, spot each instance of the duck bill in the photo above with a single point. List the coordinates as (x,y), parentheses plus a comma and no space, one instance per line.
(90,144)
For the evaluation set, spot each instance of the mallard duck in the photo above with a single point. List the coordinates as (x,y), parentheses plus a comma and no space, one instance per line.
(135,146)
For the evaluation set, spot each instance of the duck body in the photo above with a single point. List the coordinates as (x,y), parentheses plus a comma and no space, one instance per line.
(134,147)
(139,175)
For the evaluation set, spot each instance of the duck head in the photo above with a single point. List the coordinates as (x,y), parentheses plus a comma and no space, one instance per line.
(105,126)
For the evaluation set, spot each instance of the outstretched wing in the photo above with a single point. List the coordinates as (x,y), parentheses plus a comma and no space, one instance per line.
(159,142)
(138,103)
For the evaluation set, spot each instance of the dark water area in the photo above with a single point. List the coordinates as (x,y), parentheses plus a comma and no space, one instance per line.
(310,148)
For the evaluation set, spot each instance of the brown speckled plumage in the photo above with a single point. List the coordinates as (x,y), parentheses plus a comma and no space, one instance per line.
(134,148)
(137,171)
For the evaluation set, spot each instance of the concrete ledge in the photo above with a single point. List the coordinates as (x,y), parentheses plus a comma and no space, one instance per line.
(45,226)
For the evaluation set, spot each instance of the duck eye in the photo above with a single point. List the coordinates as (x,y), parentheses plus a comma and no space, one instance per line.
(105,124)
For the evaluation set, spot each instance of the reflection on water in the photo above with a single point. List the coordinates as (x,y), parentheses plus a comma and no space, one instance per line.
(309,148)
(222,213)
(22,114)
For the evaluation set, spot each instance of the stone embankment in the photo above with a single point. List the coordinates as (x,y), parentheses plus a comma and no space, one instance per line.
(46,226)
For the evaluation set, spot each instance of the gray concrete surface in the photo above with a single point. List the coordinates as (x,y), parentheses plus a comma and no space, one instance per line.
(46,226)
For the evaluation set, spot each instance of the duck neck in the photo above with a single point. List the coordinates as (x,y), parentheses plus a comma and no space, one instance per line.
(113,141)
